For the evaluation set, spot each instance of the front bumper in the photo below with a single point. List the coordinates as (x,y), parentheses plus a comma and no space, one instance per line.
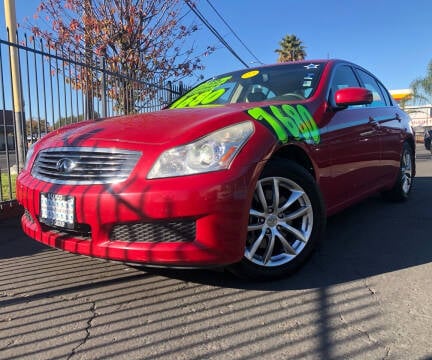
(198,220)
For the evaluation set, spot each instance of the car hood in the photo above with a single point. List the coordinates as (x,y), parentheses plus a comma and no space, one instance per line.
(165,126)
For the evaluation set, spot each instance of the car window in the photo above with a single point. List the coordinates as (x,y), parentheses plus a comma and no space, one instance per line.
(343,77)
(371,84)
(228,89)
(289,82)
(256,92)
(386,95)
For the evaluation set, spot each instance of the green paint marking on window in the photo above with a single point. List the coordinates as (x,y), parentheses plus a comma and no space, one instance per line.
(288,121)
(213,96)
(203,94)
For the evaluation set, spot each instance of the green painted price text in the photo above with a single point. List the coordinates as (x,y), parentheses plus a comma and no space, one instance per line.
(203,94)
(288,121)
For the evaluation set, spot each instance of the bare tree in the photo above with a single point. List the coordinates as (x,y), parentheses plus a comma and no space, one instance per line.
(140,39)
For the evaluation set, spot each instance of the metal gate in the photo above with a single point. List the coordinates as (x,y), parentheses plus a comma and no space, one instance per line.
(50,96)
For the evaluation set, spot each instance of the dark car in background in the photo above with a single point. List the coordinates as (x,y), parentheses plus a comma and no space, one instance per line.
(427,139)
(239,172)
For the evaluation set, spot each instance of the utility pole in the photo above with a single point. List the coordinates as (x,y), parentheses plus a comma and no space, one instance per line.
(89,108)
(10,17)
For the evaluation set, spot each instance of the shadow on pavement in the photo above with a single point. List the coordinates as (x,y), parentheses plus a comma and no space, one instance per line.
(371,238)
(14,243)
(55,305)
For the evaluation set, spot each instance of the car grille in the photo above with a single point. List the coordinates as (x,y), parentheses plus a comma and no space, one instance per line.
(84,165)
(155,232)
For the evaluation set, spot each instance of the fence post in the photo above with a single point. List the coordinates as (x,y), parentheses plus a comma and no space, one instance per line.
(10,17)
(170,92)
(104,89)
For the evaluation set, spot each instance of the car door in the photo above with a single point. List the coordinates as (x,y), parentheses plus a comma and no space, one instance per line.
(353,143)
(387,116)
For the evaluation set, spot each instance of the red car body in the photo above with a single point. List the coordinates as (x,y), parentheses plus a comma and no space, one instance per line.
(351,151)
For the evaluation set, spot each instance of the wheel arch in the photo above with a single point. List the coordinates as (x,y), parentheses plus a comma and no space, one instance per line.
(305,213)
(298,155)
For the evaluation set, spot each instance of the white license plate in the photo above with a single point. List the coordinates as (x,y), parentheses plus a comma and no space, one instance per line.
(57,210)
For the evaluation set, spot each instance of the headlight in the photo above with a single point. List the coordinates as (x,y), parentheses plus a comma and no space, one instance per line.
(210,153)
(30,152)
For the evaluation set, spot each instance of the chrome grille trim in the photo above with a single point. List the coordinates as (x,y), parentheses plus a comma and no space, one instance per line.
(91,165)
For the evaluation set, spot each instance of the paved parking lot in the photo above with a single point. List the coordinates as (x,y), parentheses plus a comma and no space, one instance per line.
(365,294)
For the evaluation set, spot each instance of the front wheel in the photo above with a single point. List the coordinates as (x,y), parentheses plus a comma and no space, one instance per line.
(286,221)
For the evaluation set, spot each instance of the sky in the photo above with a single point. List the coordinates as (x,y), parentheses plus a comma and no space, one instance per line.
(392,39)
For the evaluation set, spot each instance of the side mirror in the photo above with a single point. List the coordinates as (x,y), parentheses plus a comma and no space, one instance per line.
(353,96)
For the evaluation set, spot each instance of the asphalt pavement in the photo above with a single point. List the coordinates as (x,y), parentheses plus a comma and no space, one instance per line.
(366,293)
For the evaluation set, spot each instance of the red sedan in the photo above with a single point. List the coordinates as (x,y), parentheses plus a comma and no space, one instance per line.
(241,171)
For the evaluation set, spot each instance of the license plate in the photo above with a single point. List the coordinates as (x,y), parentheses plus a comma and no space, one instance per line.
(57,210)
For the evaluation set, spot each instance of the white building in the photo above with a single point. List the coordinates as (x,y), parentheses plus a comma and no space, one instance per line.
(421,116)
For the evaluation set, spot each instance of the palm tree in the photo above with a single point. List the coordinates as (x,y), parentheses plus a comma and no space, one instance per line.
(291,49)
(422,87)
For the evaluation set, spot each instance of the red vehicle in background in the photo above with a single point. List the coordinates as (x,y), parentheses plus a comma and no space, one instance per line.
(241,171)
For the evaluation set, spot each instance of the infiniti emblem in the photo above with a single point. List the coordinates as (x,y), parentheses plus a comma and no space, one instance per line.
(65,165)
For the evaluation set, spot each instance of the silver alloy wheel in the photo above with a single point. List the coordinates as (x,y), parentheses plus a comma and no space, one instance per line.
(407,170)
(280,222)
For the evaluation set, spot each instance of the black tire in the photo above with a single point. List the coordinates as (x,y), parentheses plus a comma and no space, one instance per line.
(404,181)
(286,221)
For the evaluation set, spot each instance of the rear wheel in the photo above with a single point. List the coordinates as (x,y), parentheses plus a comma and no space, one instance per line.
(286,221)
(403,185)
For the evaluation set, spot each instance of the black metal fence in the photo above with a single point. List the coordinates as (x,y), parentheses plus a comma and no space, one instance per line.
(49,96)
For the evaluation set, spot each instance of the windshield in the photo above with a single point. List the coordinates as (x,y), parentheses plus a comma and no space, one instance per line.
(288,82)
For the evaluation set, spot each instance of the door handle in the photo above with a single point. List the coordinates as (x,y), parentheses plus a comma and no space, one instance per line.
(373,122)
(398,118)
